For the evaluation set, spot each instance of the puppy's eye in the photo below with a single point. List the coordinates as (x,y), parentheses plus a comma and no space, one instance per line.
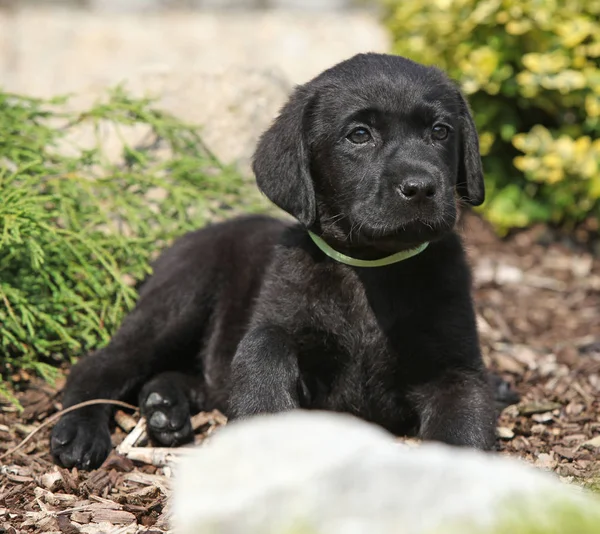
(440,132)
(359,136)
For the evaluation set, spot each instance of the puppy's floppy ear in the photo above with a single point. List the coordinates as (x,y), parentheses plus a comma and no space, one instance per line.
(469,185)
(281,161)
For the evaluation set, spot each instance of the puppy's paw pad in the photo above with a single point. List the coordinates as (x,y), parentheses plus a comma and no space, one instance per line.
(172,417)
(167,413)
(170,428)
(155,400)
(158,420)
(175,438)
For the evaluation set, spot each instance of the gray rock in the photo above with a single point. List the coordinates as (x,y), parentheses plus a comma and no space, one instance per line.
(232,108)
(311,472)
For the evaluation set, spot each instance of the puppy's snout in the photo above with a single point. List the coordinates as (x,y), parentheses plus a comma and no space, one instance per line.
(417,189)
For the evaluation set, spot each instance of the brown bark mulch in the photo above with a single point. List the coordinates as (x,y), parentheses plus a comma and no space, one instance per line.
(538,302)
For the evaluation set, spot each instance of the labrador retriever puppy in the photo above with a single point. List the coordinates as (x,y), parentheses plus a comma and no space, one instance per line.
(363,306)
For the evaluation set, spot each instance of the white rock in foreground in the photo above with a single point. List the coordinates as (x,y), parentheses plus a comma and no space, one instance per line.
(314,472)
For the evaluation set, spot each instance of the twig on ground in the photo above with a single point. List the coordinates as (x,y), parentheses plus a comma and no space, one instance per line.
(214,418)
(135,437)
(156,456)
(125,421)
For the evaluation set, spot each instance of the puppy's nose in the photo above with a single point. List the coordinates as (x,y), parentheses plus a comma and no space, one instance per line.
(417,189)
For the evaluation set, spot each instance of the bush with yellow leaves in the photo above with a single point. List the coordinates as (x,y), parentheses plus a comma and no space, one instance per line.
(531,71)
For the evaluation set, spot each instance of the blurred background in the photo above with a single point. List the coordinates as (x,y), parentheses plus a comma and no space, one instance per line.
(228,64)
(166,99)
(529,67)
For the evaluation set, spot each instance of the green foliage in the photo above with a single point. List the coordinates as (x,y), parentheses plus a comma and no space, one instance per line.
(78,226)
(531,70)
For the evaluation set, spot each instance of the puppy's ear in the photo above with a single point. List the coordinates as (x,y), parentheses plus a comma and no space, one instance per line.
(469,185)
(281,161)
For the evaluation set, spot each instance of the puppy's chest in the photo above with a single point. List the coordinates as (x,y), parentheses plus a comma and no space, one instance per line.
(353,320)
(338,307)
(348,345)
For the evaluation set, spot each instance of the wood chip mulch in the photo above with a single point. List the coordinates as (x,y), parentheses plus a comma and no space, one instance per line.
(121,497)
(538,302)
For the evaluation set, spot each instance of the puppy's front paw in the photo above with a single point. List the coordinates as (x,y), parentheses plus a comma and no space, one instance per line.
(167,413)
(79,441)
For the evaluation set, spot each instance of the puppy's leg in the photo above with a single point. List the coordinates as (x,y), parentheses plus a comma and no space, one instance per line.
(458,409)
(167,402)
(162,333)
(265,376)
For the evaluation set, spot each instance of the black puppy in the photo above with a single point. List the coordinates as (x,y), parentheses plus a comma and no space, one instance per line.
(368,313)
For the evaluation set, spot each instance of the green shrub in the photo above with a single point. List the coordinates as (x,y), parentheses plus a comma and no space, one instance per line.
(78,227)
(531,70)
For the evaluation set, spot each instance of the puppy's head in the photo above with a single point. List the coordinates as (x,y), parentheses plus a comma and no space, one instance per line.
(373,153)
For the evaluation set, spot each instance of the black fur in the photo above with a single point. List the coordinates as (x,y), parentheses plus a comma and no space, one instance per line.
(249,316)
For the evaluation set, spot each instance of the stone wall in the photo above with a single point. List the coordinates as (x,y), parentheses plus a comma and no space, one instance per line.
(229,70)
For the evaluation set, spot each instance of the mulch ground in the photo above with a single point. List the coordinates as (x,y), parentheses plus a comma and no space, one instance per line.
(538,302)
